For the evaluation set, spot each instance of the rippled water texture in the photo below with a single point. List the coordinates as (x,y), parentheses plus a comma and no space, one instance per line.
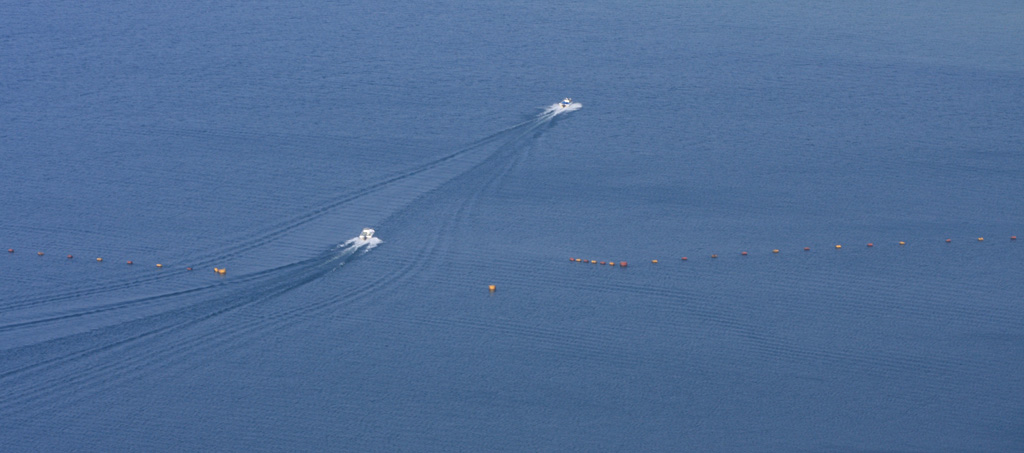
(259,139)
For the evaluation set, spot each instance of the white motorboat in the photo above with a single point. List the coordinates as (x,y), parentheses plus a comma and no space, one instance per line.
(565,102)
(366,234)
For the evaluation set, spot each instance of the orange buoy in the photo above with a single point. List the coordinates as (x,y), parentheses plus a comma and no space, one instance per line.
(949,240)
(492,288)
(903,243)
(159,265)
(981,239)
(654,261)
(622,264)
(870,244)
(222,271)
(611,263)
(807,249)
(593,261)
(743,253)
(684,258)
(130,262)
(99,259)
(578,260)
(838,246)
(714,256)
(39,253)
(775,250)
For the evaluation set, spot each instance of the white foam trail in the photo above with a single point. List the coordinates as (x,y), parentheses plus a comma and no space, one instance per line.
(557,108)
(355,243)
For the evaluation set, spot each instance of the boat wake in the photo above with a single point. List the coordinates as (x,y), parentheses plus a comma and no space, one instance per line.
(360,244)
(72,344)
(558,109)
(111,303)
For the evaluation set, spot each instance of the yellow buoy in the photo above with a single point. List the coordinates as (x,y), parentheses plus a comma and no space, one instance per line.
(492,288)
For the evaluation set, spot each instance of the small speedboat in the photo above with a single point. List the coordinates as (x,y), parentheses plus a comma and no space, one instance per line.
(366,234)
(565,102)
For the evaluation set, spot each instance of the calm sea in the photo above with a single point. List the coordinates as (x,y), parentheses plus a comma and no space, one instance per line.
(261,137)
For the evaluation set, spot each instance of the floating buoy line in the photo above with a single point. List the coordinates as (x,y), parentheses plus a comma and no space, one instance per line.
(745,253)
(609,263)
(216,270)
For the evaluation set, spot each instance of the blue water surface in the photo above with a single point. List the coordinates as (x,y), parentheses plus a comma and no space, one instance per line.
(260,137)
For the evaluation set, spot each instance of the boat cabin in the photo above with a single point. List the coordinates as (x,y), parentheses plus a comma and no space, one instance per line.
(366,234)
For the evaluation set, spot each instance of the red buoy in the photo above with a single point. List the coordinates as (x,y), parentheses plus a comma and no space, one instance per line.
(949,240)
(69,257)
(12,250)
(129,262)
(684,258)
(806,248)
(188,268)
(622,264)
(743,253)
(39,253)
(1012,238)
(870,244)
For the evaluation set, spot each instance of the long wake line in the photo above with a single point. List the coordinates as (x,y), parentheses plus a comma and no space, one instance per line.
(510,135)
